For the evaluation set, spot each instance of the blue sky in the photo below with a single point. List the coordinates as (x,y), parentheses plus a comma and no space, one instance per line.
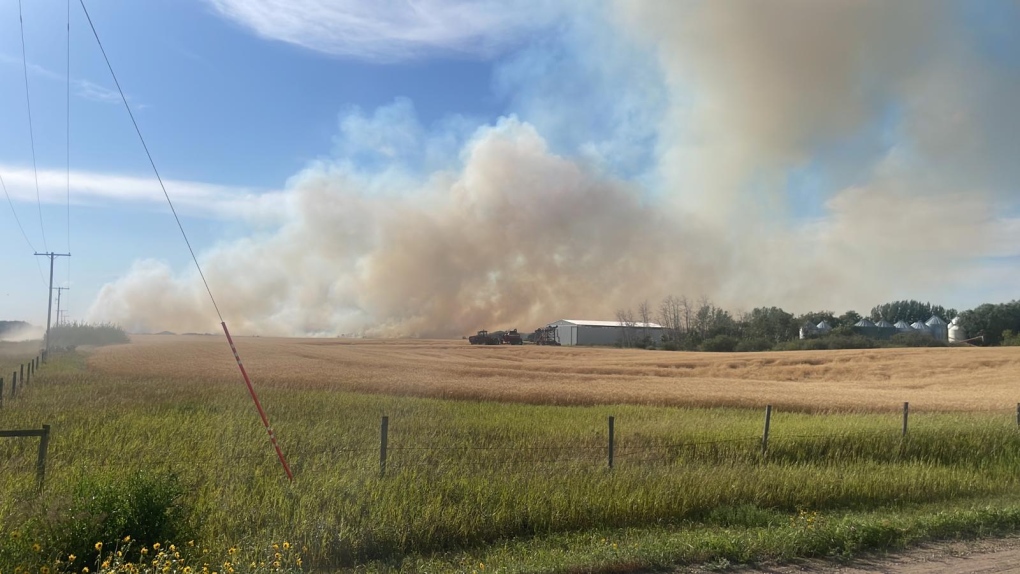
(349,166)
(216,104)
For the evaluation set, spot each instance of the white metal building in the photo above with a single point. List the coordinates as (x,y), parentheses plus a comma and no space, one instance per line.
(584,332)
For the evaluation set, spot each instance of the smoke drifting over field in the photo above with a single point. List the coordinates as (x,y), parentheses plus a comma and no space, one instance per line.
(797,153)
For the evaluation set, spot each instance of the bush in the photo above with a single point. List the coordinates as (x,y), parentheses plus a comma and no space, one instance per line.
(753,344)
(720,344)
(146,506)
(915,340)
(1010,339)
(70,335)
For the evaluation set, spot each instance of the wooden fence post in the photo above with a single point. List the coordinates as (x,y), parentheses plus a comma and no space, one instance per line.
(612,436)
(14,383)
(906,413)
(22,377)
(765,432)
(1,392)
(383,439)
(44,444)
(1018,414)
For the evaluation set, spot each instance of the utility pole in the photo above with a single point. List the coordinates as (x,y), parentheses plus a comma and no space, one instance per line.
(49,307)
(59,291)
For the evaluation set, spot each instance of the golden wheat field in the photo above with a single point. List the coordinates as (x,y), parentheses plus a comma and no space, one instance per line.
(938,379)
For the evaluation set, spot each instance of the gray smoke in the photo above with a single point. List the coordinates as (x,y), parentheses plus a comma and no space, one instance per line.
(903,131)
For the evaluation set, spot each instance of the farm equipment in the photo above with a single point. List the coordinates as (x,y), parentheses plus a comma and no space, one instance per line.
(545,336)
(511,337)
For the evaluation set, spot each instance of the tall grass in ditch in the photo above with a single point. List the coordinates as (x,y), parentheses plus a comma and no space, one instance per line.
(461,475)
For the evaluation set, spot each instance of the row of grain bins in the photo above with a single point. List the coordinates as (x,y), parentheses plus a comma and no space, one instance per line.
(935,326)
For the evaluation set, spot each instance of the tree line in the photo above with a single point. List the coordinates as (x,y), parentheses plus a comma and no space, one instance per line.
(699,325)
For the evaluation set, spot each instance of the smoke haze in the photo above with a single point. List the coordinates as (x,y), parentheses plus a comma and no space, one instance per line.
(795,153)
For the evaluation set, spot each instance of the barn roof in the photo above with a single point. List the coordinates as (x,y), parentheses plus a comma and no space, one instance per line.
(589,323)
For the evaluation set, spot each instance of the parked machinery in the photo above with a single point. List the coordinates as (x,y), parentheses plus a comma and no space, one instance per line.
(545,336)
(511,337)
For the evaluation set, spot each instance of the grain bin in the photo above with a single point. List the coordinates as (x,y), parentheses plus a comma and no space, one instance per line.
(956,332)
(939,329)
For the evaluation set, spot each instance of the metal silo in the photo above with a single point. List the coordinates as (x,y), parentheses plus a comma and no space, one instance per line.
(921,328)
(956,332)
(939,328)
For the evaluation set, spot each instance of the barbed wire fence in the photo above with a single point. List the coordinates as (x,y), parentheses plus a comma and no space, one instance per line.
(405,451)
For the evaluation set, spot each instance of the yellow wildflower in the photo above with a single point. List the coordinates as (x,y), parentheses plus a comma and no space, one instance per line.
(232,551)
(187,570)
(127,538)
(99,545)
(191,542)
(15,534)
(173,548)
(298,562)
(276,546)
(85,570)
(36,548)
(144,551)
(71,558)
(276,564)
(155,546)
(286,545)
(106,563)
(44,570)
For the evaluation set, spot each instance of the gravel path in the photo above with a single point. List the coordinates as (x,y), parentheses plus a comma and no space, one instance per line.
(989,556)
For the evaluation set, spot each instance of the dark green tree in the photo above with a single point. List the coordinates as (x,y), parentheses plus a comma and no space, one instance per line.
(771,324)
(910,311)
(991,320)
(849,318)
(816,317)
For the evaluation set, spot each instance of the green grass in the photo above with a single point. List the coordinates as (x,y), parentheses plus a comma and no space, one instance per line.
(521,487)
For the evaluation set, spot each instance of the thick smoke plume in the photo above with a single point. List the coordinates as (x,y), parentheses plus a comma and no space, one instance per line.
(809,155)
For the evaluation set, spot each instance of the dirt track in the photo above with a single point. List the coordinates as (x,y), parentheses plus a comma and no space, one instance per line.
(967,557)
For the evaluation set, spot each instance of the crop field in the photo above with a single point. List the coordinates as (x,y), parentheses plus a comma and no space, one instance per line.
(158,440)
(954,379)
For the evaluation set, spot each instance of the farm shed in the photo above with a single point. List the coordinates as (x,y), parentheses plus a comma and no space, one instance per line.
(584,332)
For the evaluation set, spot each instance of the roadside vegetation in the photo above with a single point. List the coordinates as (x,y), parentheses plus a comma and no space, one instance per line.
(139,460)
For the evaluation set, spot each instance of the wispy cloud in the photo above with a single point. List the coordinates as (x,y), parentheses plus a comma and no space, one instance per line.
(391,31)
(82,88)
(192,197)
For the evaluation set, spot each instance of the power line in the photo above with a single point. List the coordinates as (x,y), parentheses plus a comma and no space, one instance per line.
(31,129)
(16,218)
(22,229)
(151,161)
(223,324)
(67,140)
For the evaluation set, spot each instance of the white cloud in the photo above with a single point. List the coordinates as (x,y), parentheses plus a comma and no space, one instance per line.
(191,197)
(390,30)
